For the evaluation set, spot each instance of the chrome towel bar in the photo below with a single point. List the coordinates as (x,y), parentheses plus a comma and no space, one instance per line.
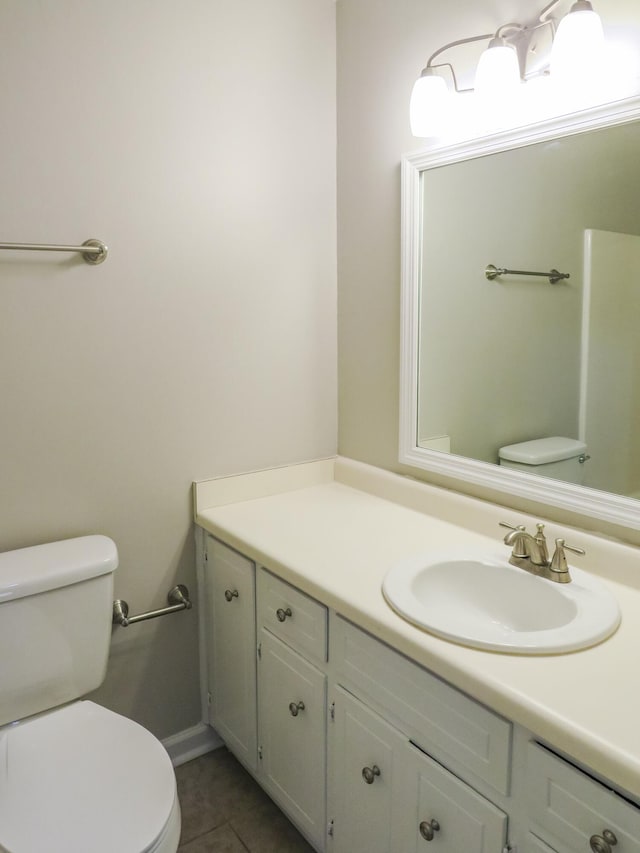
(93,251)
(554,276)
(178,599)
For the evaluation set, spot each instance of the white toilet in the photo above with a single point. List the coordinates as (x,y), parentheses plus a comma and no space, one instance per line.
(557,457)
(74,777)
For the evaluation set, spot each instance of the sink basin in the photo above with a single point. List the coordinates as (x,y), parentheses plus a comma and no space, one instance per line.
(489,604)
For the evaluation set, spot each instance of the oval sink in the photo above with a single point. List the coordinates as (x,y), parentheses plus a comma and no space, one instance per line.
(494,605)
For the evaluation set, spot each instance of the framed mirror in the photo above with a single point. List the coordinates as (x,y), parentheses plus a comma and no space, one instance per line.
(492,361)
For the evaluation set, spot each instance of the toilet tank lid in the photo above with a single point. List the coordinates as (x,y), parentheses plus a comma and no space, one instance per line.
(40,568)
(541,451)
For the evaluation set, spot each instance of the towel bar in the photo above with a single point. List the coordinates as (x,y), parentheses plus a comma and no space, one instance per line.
(93,251)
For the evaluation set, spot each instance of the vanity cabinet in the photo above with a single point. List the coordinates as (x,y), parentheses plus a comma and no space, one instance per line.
(468,738)
(369,752)
(292,702)
(387,791)
(265,651)
(230,630)
(389,796)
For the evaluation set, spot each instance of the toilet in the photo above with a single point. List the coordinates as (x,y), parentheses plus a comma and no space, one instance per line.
(556,457)
(74,776)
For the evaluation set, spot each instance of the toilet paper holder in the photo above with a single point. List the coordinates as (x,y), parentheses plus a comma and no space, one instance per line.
(178,599)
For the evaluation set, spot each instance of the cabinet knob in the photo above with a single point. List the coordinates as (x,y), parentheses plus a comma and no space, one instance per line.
(295,708)
(230,594)
(603,843)
(369,774)
(282,614)
(428,827)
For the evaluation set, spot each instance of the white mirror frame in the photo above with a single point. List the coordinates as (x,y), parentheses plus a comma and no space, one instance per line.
(589,502)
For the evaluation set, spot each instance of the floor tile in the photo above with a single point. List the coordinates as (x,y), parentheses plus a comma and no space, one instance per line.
(221,840)
(222,805)
(267,830)
(211,789)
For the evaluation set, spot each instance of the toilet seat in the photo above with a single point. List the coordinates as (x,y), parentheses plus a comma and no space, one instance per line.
(82,778)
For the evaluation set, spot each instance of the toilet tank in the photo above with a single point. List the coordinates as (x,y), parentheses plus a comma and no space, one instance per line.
(557,457)
(55,623)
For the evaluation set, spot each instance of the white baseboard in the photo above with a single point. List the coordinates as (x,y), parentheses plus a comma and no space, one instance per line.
(191,743)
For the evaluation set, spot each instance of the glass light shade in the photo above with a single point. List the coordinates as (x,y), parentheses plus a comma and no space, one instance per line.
(428,105)
(498,70)
(578,46)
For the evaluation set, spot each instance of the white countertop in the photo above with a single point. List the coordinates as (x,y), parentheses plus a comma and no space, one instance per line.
(334,528)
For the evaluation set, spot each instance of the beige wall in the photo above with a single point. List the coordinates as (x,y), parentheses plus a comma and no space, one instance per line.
(198,140)
(382,46)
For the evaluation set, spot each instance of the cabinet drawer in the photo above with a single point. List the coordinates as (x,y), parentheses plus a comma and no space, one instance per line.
(463,735)
(296,618)
(569,807)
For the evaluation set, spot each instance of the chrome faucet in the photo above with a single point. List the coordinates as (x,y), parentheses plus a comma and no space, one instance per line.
(530,553)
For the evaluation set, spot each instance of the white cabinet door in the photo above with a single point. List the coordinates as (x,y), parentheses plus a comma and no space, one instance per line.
(571,811)
(534,845)
(365,760)
(445,810)
(292,711)
(231,639)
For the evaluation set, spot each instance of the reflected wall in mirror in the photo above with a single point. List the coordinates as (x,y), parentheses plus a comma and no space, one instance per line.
(504,361)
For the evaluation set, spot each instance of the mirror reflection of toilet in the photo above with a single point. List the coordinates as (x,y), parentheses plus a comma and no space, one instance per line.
(74,776)
(557,457)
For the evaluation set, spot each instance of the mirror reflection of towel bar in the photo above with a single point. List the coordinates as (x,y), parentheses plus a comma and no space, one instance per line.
(554,276)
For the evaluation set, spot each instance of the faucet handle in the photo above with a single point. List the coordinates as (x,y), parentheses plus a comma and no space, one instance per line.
(520,527)
(541,541)
(559,559)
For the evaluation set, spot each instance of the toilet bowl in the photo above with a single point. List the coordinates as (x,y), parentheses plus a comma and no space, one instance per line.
(74,776)
(82,779)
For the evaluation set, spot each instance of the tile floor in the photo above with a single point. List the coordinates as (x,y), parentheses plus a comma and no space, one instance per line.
(225,811)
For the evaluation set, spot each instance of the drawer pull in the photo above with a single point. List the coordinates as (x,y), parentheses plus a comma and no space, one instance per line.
(295,708)
(603,843)
(282,614)
(369,774)
(427,829)
(230,594)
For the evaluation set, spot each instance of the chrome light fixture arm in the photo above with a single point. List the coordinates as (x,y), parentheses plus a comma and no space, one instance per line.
(429,67)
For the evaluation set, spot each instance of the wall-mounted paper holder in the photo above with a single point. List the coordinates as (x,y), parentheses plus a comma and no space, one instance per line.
(178,599)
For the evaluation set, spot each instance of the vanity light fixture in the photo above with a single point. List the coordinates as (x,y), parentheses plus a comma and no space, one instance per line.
(577,42)
(498,70)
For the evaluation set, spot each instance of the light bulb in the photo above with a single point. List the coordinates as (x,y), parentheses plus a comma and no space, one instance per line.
(428,105)
(576,54)
(498,71)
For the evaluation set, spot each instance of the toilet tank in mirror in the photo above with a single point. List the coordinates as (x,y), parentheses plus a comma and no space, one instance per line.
(495,360)
(55,623)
